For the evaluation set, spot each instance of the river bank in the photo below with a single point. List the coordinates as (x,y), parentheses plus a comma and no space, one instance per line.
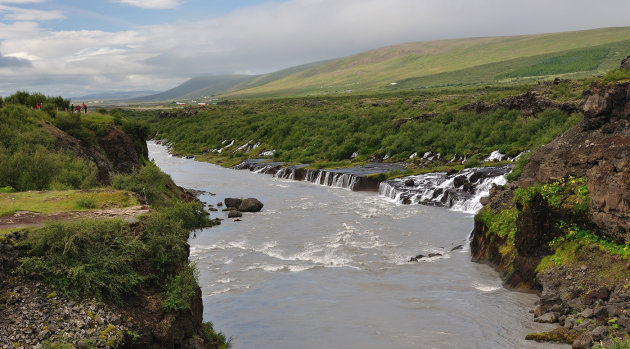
(563,230)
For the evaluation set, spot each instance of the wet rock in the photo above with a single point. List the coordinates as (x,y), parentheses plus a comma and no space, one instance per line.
(547,318)
(459,181)
(458,247)
(232,202)
(409,182)
(484,200)
(234,214)
(250,205)
(431,255)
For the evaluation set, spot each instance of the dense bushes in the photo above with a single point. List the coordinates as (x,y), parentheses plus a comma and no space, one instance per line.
(110,259)
(29,158)
(332,129)
(93,258)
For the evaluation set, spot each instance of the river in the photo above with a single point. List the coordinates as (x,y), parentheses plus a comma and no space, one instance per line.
(328,267)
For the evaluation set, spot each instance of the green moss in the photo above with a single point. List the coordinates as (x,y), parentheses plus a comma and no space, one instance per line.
(559,335)
(503,223)
(567,193)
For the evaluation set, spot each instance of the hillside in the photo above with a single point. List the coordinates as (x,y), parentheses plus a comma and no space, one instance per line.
(457,62)
(93,237)
(197,87)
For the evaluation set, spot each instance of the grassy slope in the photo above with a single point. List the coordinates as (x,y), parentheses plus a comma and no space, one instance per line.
(482,59)
(65,200)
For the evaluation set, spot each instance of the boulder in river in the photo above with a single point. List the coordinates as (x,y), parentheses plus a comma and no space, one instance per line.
(232,202)
(234,214)
(250,205)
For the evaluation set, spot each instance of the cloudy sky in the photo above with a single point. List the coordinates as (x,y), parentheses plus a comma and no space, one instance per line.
(77,47)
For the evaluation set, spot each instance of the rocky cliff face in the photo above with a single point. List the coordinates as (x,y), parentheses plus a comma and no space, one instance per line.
(115,153)
(585,288)
(598,148)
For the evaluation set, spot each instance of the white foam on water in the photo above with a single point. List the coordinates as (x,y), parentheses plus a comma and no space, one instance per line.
(486,288)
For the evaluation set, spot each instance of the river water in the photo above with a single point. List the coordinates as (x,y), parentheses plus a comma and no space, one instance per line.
(328,267)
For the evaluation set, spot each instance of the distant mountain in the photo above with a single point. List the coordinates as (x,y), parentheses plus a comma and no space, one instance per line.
(116,95)
(456,62)
(197,87)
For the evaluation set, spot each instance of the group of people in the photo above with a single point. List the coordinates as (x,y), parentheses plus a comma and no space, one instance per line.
(78,108)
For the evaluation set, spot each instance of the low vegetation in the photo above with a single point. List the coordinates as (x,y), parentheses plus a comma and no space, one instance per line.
(109,260)
(67,200)
(325,130)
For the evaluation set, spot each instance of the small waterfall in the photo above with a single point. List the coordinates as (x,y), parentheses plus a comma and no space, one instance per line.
(333,179)
(460,191)
(286,173)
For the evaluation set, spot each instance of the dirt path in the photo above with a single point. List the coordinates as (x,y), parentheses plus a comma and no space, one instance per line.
(24,219)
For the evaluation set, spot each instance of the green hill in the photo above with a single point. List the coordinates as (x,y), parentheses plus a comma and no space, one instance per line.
(457,62)
(197,87)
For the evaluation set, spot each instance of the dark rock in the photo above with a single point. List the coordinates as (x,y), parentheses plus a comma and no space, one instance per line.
(238,220)
(599,332)
(587,313)
(212,209)
(232,202)
(234,214)
(413,259)
(219,204)
(450,172)
(547,318)
(583,341)
(603,140)
(434,255)
(409,182)
(603,293)
(484,200)
(458,247)
(120,151)
(625,64)
(600,312)
(250,205)
(624,321)
(538,311)
(459,181)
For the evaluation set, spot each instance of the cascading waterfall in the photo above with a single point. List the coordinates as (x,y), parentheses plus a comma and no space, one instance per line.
(332,178)
(460,191)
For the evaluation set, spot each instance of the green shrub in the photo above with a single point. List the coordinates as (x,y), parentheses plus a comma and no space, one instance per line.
(89,258)
(519,165)
(86,203)
(179,289)
(472,162)
(213,339)
(617,74)
(7,189)
(149,183)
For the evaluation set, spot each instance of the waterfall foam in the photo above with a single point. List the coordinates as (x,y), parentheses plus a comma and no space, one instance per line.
(461,191)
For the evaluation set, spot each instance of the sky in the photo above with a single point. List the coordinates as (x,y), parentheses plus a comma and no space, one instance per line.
(79,47)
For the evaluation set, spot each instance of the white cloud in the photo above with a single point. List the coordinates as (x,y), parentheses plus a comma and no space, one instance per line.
(21,14)
(270,36)
(152,4)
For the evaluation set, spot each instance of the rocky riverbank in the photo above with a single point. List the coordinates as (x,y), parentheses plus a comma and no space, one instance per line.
(563,231)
